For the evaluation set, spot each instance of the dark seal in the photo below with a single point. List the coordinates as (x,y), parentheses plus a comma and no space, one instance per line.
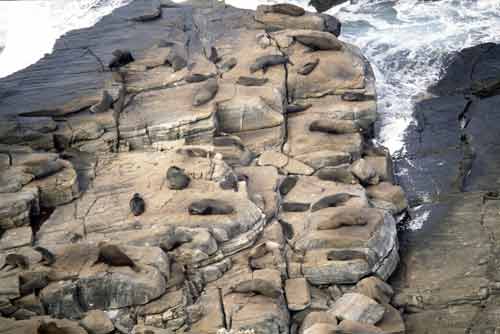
(210,207)
(137,205)
(206,92)
(251,81)
(16,261)
(177,179)
(307,68)
(47,257)
(264,62)
(287,9)
(331,201)
(120,58)
(114,257)
(296,108)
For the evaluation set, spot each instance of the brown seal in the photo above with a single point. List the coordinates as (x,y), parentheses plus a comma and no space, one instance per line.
(16,261)
(114,257)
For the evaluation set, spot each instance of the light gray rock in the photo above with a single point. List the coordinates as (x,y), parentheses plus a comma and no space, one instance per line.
(357,307)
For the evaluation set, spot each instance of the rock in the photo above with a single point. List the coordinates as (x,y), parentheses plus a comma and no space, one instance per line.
(210,207)
(317,40)
(383,167)
(321,328)
(365,172)
(206,92)
(392,322)
(317,317)
(16,209)
(357,307)
(297,293)
(266,282)
(177,179)
(376,289)
(97,322)
(16,238)
(140,329)
(354,327)
(389,193)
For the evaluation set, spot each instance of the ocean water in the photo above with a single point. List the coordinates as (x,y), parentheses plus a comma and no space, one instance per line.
(406,41)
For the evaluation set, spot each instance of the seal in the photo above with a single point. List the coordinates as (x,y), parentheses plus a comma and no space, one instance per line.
(307,68)
(334,126)
(177,179)
(47,257)
(174,238)
(264,62)
(331,201)
(210,207)
(206,92)
(349,216)
(33,284)
(213,55)
(251,81)
(120,58)
(287,185)
(137,205)
(114,257)
(286,9)
(229,64)
(176,60)
(196,77)
(319,41)
(16,261)
(354,97)
(296,108)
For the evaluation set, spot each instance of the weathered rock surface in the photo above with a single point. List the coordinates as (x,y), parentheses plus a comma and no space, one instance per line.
(251,163)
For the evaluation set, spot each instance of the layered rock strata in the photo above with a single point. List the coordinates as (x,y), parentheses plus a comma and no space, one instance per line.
(263,203)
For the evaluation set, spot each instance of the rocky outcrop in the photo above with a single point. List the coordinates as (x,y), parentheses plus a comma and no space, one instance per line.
(449,279)
(263,203)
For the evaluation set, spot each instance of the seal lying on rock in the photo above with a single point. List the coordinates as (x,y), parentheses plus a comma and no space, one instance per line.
(264,62)
(307,68)
(295,108)
(206,92)
(33,284)
(285,9)
(349,216)
(333,126)
(16,261)
(210,207)
(176,60)
(114,257)
(196,77)
(177,179)
(331,201)
(174,238)
(120,58)
(251,81)
(229,64)
(213,55)
(287,185)
(52,328)
(103,105)
(318,40)
(137,205)
(354,97)
(47,257)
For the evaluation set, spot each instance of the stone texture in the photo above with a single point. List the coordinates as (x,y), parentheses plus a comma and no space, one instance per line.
(297,293)
(356,307)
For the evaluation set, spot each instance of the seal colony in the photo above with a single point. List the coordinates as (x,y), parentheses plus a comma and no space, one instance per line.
(219,174)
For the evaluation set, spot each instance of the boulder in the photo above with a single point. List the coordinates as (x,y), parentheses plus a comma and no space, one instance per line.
(365,172)
(297,293)
(376,289)
(388,193)
(355,327)
(97,322)
(321,328)
(359,308)
(16,209)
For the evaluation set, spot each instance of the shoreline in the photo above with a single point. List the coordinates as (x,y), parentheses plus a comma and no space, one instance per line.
(278,216)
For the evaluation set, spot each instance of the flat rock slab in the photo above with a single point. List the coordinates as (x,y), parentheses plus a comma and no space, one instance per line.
(298,295)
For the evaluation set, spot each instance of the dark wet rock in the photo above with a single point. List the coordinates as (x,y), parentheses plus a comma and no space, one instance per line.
(308,67)
(251,81)
(210,207)
(120,58)
(264,62)
(137,205)
(206,92)
(332,24)
(177,178)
